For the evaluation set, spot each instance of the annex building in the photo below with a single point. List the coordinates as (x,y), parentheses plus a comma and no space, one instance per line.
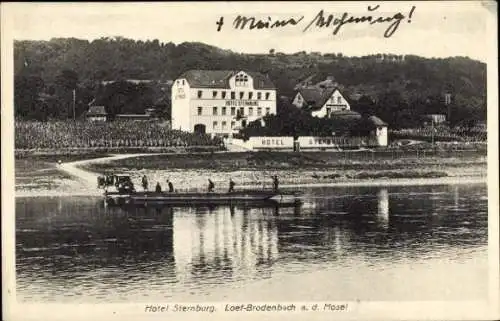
(220,102)
(321,102)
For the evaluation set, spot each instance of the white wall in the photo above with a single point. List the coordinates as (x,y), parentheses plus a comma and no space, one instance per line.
(265,142)
(180,105)
(298,100)
(381,134)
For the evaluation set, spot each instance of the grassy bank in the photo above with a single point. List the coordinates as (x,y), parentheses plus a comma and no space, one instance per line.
(386,160)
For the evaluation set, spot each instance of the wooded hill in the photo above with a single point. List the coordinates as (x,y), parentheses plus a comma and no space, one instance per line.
(401,87)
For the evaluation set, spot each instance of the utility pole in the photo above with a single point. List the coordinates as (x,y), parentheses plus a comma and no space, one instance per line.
(447,102)
(432,132)
(74,104)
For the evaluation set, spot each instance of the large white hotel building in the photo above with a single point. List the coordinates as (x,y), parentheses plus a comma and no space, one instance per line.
(220,102)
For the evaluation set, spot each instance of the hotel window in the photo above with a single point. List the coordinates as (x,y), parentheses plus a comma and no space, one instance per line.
(259,95)
(241,80)
(200,109)
(267,96)
(241,95)
(268,110)
(215,110)
(259,111)
(339,100)
(242,111)
(233,95)
(199,93)
(223,95)
(233,111)
(183,82)
(178,82)
(223,125)
(224,111)
(250,95)
(250,111)
(232,124)
(328,112)
(214,94)
(215,125)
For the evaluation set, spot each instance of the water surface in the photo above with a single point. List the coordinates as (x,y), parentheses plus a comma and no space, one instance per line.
(376,243)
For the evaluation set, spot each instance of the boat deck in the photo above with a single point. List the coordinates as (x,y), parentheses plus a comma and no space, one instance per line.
(206,198)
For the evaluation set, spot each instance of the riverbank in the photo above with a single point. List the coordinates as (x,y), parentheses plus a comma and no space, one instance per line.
(249,170)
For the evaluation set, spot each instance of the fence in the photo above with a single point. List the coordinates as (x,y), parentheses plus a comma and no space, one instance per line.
(439,134)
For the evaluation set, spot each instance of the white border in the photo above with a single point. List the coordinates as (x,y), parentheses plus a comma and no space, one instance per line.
(358,310)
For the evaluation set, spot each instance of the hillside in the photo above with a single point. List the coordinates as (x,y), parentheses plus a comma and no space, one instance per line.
(400,86)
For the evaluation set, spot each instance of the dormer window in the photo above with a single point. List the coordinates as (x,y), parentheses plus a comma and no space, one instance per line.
(241,80)
(339,100)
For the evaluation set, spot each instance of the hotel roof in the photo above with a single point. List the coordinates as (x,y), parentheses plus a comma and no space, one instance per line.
(220,79)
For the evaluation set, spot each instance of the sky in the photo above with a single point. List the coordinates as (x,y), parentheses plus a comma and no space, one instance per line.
(436,29)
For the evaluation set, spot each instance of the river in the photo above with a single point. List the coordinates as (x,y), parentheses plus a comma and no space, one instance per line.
(342,243)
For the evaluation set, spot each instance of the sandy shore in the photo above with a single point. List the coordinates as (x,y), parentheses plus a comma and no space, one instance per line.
(83,182)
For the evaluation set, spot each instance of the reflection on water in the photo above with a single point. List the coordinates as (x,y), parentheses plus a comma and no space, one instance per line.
(367,239)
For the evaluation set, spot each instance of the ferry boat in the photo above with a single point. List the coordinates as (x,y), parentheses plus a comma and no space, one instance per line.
(123,193)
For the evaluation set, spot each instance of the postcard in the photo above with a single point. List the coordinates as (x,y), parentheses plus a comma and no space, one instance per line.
(253,160)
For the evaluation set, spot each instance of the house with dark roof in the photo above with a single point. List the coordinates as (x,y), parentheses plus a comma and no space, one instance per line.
(220,102)
(96,113)
(321,101)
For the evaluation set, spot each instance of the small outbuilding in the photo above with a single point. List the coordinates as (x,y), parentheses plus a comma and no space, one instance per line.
(379,130)
(96,114)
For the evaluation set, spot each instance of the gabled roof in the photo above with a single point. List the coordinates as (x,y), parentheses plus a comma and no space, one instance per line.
(220,79)
(97,111)
(316,97)
(377,121)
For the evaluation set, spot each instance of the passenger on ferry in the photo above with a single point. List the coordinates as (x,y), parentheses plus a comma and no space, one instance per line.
(170,186)
(275,183)
(158,187)
(231,185)
(101,182)
(145,183)
(210,185)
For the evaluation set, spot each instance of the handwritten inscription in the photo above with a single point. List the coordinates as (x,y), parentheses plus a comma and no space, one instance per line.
(252,23)
(323,20)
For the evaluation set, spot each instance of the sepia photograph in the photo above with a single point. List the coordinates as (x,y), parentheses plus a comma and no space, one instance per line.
(268,159)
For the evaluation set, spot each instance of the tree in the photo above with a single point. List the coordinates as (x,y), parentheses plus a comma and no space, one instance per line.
(27,88)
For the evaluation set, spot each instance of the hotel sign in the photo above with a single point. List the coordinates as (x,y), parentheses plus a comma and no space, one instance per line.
(241,103)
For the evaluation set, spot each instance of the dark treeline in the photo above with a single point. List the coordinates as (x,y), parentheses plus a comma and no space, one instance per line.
(396,88)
